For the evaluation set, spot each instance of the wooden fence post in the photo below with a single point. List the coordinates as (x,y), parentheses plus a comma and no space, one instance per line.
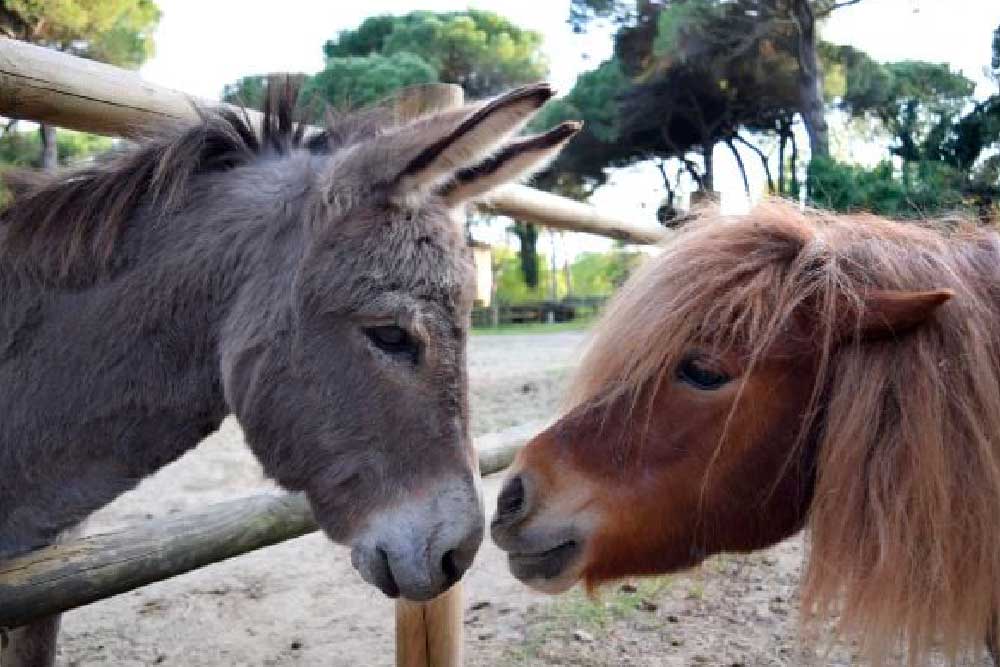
(429,634)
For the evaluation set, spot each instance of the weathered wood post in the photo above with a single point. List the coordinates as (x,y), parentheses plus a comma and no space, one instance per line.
(429,634)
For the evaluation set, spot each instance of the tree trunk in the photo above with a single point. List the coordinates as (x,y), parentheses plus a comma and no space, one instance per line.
(782,142)
(810,80)
(708,177)
(743,169)
(554,283)
(793,167)
(50,156)
(527,234)
(567,270)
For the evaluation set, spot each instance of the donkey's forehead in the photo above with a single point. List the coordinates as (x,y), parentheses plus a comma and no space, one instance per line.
(420,252)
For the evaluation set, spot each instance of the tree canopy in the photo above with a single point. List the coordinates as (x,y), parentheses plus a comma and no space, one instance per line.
(685,76)
(689,75)
(354,81)
(942,136)
(23,149)
(481,51)
(119,32)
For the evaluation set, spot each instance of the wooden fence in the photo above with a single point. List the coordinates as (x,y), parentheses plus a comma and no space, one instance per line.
(47,86)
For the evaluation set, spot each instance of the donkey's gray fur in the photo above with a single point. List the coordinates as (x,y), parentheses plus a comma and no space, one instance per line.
(217,270)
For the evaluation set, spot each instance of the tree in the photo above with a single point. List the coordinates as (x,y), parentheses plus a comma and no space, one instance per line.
(685,77)
(119,32)
(355,81)
(740,25)
(995,61)
(23,149)
(940,133)
(481,51)
(247,91)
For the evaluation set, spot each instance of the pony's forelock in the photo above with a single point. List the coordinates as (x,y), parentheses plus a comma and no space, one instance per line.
(905,523)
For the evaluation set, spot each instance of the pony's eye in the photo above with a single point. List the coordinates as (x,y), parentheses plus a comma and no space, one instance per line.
(700,375)
(394,341)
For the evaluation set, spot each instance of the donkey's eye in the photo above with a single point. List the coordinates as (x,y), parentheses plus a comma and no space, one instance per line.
(394,341)
(700,375)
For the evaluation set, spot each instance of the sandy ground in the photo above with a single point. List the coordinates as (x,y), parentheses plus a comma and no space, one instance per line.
(301,603)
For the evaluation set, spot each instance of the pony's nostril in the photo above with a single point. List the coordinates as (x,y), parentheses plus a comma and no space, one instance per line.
(511,499)
(452,573)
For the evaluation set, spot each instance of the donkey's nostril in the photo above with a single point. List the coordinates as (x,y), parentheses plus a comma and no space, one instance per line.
(452,572)
(384,578)
(511,499)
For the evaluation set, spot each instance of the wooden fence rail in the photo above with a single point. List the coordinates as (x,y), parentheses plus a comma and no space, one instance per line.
(76,573)
(47,86)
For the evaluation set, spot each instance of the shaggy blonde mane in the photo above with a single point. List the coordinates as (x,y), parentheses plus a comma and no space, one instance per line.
(905,521)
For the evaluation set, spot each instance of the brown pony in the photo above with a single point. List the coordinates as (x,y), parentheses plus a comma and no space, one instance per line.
(784,370)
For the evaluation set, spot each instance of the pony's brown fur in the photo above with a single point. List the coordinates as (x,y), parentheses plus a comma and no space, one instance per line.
(905,521)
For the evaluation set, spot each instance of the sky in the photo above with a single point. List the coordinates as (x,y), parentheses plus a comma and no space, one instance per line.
(202,45)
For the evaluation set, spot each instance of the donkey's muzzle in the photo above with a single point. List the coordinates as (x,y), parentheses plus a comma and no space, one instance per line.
(421,547)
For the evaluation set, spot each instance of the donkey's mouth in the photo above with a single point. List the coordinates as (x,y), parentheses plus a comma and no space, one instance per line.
(544,566)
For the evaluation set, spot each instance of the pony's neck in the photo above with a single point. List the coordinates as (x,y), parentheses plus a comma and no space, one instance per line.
(105,385)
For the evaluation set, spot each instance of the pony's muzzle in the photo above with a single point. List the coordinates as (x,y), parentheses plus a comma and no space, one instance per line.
(544,548)
(420,548)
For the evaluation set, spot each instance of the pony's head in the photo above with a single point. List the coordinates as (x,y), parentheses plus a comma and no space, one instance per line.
(354,389)
(777,370)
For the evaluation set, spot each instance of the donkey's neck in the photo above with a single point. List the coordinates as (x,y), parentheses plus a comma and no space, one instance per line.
(102,386)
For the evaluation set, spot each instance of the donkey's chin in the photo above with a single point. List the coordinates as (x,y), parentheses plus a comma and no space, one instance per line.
(553,570)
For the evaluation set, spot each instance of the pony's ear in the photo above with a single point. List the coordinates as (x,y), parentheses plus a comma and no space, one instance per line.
(469,136)
(515,160)
(880,314)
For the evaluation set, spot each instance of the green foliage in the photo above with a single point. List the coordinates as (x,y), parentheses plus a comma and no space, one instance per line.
(686,75)
(942,135)
(601,273)
(922,189)
(677,22)
(366,39)
(511,286)
(355,81)
(481,51)
(592,274)
(119,32)
(246,91)
(23,149)
(917,102)
(594,100)
(527,235)
(995,60)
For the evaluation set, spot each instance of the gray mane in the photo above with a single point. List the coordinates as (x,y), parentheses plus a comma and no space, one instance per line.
(65,227)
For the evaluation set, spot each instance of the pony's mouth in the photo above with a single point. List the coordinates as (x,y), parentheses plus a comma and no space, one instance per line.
(550,570)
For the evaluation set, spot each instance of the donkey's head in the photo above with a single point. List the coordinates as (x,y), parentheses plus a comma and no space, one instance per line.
(356,393)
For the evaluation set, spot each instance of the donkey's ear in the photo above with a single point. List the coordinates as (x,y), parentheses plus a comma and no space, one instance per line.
(516,160)
(880,314)
(474,135)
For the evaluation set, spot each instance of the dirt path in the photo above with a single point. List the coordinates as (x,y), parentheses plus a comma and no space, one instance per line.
(301,603)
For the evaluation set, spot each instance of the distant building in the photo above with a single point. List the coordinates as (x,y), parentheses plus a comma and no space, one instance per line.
(482,255)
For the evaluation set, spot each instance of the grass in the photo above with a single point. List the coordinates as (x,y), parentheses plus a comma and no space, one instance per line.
(576,611)
(580,324)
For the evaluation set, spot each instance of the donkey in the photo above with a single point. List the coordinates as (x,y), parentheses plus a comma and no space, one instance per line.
(784,370)
(317,287)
